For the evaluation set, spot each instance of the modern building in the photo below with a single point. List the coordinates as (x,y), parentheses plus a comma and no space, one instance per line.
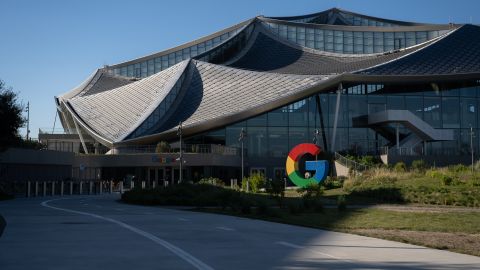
(349,82)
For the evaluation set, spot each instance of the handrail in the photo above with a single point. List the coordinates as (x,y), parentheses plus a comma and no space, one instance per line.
(351,164)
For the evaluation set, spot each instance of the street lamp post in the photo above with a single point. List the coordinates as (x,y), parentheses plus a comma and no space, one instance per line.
(179,133)
(28,120)
(241,138)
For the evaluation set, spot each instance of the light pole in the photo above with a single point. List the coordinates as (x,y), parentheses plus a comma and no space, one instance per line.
(179,133)
(315,138)
(28,119)
(241,138)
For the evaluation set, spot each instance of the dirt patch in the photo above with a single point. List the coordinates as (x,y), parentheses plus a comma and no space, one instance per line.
(457,242)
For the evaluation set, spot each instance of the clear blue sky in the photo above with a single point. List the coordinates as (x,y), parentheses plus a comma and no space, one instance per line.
(48,47)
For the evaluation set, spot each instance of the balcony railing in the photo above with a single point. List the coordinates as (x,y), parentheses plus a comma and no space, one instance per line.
(351,164)
(187,148)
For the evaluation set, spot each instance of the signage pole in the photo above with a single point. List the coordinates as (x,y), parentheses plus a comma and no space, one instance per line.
(179,133)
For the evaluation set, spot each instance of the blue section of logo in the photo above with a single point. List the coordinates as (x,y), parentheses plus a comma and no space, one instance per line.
(320,167)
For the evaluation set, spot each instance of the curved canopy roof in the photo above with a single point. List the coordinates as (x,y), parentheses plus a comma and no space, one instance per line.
(258,73)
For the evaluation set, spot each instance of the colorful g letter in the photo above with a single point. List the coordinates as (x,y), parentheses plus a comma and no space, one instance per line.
(319,166)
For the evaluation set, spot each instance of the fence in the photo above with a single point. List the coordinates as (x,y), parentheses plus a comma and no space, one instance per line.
(351,164)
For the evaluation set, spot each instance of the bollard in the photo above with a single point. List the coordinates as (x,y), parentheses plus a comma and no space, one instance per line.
(132,184)
(80,188)
(28,189)
(231,183)
(154,184)
(111,186)
(71,187)
(44,188)
(53,188)
(143,184)
(61,188)
(90,190)
(36,188)
(121,187)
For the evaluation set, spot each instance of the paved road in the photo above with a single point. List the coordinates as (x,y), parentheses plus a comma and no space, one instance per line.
(100,233)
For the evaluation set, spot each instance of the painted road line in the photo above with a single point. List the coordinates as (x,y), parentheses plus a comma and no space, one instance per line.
(174,249)
(225,228)
(302,247)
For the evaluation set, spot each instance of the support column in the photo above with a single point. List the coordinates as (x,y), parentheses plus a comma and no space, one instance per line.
(80,188)
(335,121)
(121,187)
(143,184)
(90,188)
(71,187)
(53,188)
(81,137)
(44,189)
(154,183)
(28,189)
(397,137)
(61,188)
(111,186)
(36,188)
(101,187)
(132,184)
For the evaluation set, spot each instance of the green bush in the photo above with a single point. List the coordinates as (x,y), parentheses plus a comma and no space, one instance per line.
(333,182)
(446,180)
(312,190)
(458,168)
(434,174)
(400,167)
(162,147)
(419,165)
(211,181)
(255,182)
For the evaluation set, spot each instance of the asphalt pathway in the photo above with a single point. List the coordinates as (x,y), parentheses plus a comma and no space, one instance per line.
(98,232)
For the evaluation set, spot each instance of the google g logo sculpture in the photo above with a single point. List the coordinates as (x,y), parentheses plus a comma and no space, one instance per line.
(319,166)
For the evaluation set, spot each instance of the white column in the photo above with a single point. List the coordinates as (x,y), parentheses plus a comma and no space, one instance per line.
(80,188)
(121,187)
(44,188)
(111,186)
(90,190)
(132,184)
(36,188)
(335,121)
(154,183)
(71,187)
(101,187)
(143,184)
(61,188)
(53,188)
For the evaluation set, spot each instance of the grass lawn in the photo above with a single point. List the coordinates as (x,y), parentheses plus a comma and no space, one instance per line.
(454,231)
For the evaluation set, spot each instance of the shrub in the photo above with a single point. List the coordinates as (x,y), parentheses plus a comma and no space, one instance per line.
(162,147)
(333,182)
(211,181)
(419,165)
(295,208)
(400,167)
(312,190)
(255,182)
(458,168)
(446,180)
(434,174)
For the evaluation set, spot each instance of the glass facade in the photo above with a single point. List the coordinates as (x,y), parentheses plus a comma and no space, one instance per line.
(271,135)
(350,42)
(157,64)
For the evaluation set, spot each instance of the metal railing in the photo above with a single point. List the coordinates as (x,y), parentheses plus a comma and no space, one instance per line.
(187,148)
(351,164)
(57,131)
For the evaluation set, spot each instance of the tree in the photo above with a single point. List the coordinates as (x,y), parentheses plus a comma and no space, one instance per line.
(11,118)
